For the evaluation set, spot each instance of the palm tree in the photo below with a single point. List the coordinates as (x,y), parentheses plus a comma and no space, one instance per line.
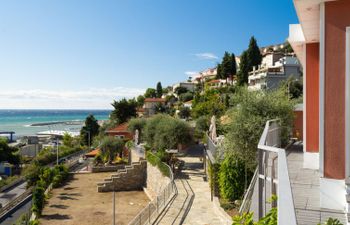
(110,146)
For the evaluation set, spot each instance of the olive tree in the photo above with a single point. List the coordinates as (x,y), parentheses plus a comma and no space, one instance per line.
(165,132)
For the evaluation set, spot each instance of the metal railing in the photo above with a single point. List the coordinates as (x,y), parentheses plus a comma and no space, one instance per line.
(248,195)
(154,208)
(269,150)
(211,149)
(8,207)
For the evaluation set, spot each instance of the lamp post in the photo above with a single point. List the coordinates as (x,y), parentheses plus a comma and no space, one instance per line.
(113,204)
(57,149)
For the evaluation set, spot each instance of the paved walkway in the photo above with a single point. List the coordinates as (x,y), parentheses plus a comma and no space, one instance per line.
(192,205)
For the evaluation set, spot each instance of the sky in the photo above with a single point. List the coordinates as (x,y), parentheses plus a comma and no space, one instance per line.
(83,54)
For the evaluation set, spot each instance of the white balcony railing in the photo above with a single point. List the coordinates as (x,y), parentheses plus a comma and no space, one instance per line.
(268,151)
(270,143)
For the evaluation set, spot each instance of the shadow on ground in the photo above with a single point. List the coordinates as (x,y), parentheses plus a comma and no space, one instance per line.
(56,216)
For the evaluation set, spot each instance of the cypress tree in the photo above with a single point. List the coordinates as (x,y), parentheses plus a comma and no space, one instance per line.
(234,65)
(254,54)
(218,71)
(159,90)
(226,66)
(242,76)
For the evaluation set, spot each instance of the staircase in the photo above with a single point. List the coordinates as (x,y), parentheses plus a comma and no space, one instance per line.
(132,177)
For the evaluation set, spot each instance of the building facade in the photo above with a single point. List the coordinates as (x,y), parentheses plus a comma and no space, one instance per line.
(322,44)
(150,105)
(275,68)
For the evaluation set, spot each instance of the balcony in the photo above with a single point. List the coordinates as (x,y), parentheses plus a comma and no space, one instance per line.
(280,172)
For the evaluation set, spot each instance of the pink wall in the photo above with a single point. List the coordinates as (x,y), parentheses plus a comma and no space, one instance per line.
(312,97)
(337,18)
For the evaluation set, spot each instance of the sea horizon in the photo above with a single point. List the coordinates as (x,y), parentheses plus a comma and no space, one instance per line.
(22,121)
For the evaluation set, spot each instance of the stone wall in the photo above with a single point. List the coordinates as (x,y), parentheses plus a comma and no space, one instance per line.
(133,177)
(111,168)
(155,181)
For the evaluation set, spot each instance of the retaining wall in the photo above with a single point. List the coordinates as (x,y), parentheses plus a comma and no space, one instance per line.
(111,168)
(155,181)
(132,177)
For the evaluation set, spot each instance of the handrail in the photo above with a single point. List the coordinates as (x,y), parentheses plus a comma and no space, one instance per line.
(15,202)
(270,142)
(154,209)
(211,149)
(248,194)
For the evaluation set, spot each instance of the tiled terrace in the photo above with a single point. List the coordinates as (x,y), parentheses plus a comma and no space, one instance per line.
(305,188)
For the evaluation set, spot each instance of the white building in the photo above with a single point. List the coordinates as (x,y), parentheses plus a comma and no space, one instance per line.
(274,69)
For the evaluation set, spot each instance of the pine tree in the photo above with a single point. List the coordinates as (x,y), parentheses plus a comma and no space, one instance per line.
(242,76)
(159,90)
(123,110)
(254,54)
(89,130)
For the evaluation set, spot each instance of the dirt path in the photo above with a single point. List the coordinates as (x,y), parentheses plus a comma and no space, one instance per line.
(79,203)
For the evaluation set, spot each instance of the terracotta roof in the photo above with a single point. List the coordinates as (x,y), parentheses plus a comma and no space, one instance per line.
(214,81)
(154,100)
(120,128)
(188,102)
(93,153)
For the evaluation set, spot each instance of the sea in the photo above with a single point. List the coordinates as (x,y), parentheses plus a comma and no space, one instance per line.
(30,122)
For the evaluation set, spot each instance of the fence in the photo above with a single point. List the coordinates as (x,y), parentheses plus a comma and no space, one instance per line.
(211,149)
(268,151)
(247,200)
(11,205)
(152,211)
(268,184)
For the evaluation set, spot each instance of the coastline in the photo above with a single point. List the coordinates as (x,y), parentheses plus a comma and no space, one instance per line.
(31,122)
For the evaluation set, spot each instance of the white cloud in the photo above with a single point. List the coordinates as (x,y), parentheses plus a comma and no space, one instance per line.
(94,98)
(191,73)
(206,56)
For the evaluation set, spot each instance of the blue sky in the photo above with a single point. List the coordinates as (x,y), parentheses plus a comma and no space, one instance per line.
(82,54)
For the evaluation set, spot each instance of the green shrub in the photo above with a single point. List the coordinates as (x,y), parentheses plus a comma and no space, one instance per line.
(232,178)
(247,219)
(57,181)
(185,97)
(247,119)
(156,161)
(34,222)
(332,221)
(38,200)
(8,180)
(213,171)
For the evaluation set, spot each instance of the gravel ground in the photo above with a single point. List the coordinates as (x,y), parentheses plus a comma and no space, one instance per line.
(78,202)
